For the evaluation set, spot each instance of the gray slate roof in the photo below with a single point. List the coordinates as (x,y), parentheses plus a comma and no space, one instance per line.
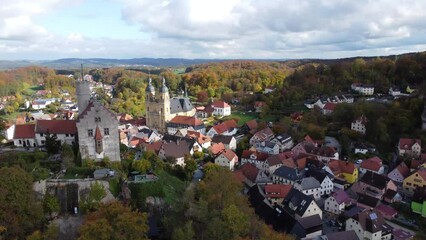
(309,183)
(287,173)
(180,104)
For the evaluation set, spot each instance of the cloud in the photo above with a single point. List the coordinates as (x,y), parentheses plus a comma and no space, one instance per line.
(222,29)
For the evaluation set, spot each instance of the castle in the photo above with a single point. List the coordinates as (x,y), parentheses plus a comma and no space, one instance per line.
(160,108)
(97,127)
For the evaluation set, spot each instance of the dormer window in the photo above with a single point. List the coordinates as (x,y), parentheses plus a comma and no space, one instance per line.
(90,132)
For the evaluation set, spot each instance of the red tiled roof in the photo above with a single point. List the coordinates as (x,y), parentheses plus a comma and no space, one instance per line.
(252,124)
(249,171)
(373,164)
(220,104)
(330,106)
(184,120)
(407,143)
(260,156)
(24,131)
(403,169)
(230,123)
(416,163)
(98,135)
(155,146)
(56,126)
(229,154)
(339,166)
(217,148)
(341,196)
(386,210)
(220,128)
(277,190)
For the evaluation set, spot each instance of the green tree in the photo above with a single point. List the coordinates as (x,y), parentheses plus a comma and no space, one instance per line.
(190,167)
(67,155)
(52,143)
(141,166)
(20,213)
(50,205)
(114,221)
(96,193)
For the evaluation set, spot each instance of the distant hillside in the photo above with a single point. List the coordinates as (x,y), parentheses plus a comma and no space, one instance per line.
(67,63)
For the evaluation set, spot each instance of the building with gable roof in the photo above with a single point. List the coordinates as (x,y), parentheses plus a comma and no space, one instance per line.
(409,147)
(309,186)
(415,180)
(373,164)
(97,127)
(275,193)
(184,122)
(399,173)
(301,205)
(323,178)
(254,157)
(261,136)
(24,136)
(221,108)
(286,175)
(227,128)
(374,185)
(359,125)
(344,170)
(369,224)
(337,202)
(227,159)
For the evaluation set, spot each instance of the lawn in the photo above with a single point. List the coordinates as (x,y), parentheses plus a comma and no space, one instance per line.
(168,187)
(244,117)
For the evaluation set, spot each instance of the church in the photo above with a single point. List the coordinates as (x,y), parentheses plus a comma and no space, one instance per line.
(97,127)
(160,108)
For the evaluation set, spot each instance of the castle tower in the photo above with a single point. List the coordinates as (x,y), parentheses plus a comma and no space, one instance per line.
(83,93)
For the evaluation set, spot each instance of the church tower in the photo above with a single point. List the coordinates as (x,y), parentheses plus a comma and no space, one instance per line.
(157,107)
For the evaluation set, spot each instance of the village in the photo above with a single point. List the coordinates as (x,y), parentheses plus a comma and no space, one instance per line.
(306,187)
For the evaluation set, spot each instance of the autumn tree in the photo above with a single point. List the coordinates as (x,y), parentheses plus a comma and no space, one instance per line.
(114,221)
(20,213)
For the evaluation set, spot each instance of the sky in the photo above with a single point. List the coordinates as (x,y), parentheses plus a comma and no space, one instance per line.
(210,29)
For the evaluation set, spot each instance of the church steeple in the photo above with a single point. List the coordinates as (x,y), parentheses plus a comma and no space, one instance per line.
(150,88)
(164,88)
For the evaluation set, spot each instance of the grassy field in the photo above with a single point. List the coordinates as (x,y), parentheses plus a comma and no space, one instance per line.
(244,117)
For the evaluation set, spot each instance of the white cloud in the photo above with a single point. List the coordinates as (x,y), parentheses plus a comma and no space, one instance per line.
(224,29)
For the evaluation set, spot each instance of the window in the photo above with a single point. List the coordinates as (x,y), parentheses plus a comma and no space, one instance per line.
(42,142)
(67,135)
(97,119)
(41,134)
(20,141)
(90,132)
(106,131)
(99,147)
